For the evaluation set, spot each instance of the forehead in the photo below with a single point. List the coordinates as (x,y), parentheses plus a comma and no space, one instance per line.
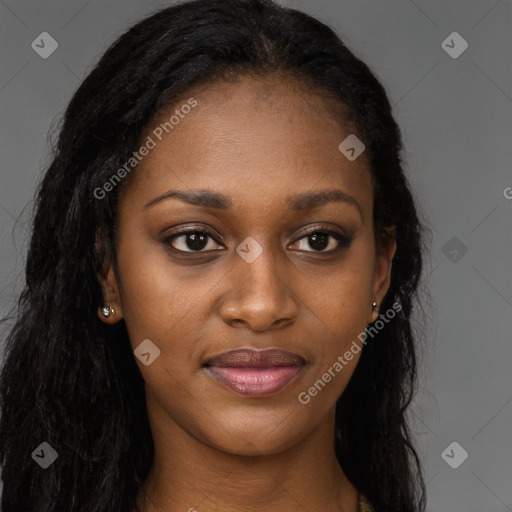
(264,138)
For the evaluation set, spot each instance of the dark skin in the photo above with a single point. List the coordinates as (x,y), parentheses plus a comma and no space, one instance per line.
(256,141)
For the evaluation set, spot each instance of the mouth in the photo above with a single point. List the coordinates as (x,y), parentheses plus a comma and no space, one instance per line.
(255,373)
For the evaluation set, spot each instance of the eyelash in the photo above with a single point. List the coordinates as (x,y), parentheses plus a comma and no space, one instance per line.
(343,240)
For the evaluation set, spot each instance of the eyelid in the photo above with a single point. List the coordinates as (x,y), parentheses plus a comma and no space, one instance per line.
(324,228)
(212,233)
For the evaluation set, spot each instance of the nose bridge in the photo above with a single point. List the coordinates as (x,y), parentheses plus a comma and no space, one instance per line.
(258,295)
(260,274)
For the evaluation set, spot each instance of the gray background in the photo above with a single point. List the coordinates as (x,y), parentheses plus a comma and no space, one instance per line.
(456,119)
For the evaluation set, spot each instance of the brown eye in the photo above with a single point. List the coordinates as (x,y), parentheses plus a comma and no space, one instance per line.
(325,241)
(190,241)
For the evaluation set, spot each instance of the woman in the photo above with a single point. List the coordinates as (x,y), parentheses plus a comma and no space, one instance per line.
(223,265)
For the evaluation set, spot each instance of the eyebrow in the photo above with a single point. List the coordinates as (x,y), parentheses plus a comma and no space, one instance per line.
(304,202)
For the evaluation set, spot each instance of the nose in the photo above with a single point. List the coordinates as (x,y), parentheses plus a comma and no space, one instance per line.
(259,296)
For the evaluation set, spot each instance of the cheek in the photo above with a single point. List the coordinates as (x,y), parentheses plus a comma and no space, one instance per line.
(342,300)
(342,308)
(155,297)
(159,307)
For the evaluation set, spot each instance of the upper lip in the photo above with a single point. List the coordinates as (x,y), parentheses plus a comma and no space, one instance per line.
(256,358)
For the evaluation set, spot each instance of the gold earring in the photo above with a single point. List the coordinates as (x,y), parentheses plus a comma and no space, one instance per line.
(106,311)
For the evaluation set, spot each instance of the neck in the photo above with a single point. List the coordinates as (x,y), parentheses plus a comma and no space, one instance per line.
(192,475)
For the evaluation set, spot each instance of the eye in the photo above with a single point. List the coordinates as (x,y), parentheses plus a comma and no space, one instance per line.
(321,239)
(200,240)
(191,240)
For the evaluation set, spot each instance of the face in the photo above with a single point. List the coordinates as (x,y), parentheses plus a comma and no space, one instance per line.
(263,261)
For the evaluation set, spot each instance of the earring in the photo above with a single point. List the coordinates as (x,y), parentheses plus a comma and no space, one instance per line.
(107,310)
(374,305)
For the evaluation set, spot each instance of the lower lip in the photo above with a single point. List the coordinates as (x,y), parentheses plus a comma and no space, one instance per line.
(252,381)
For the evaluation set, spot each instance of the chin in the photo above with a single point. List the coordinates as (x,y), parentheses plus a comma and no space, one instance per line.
(257,434)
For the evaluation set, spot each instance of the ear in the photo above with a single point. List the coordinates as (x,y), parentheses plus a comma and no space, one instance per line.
(110,292)
(382,274)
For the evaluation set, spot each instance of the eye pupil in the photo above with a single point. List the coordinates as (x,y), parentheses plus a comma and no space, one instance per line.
(196,241)
(319,241)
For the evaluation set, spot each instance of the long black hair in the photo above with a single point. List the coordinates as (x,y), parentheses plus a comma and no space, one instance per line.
(71,381)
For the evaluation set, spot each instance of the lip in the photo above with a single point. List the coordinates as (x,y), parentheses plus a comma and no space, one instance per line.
(255,373)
